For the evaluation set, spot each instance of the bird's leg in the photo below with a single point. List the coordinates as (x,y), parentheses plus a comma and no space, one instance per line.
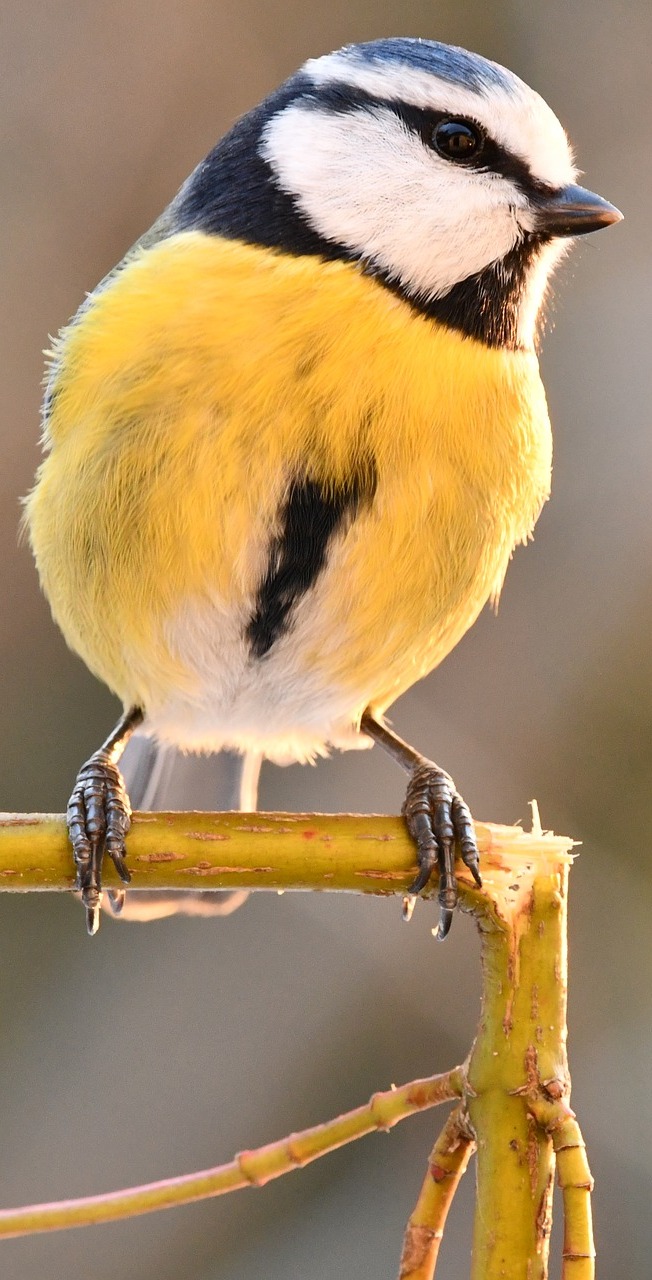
(99,816)
(436,817)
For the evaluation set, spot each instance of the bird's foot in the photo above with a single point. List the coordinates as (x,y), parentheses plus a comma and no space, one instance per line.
(437,817)
(98,817)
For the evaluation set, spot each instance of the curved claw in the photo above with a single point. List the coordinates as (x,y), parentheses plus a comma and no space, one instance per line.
(428,864)
(116,900)
(441,929)
(409,902)
(92,918)
(437,817)
(463,823)
(99,817)
(117,858)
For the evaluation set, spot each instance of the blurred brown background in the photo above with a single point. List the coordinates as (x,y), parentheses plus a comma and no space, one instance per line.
(156,1050)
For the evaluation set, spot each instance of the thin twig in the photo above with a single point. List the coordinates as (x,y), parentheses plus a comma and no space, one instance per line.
(423,1234)
(249,1168)
(518,1061)
(574,1178)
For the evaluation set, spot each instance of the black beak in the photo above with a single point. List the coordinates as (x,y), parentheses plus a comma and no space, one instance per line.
(573,211)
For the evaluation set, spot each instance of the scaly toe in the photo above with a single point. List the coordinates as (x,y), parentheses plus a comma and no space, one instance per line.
(99,816)
(438,818)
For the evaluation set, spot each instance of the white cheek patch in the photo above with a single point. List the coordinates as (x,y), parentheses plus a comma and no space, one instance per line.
(363,179)
(511,112)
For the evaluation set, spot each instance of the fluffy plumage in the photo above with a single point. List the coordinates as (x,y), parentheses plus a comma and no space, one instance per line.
(207,376)
(293,438)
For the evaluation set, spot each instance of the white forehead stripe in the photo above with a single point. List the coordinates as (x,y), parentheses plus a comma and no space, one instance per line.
(512,113)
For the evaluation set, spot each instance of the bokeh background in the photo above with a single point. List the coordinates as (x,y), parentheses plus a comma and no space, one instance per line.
(156,1050)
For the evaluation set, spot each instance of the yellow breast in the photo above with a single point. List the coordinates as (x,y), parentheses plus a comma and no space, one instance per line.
(203,377)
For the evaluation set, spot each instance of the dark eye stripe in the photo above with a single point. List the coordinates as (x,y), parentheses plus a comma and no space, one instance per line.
(492,157)
(484,306)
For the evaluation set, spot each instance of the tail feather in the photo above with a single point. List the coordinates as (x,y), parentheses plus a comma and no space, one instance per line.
(160,777)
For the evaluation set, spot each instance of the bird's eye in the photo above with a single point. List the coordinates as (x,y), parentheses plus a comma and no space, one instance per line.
(457,140)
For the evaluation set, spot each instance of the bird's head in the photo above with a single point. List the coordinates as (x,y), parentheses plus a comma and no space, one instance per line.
(441,172)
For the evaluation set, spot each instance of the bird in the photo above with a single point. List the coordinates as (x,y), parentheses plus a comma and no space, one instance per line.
(293,438)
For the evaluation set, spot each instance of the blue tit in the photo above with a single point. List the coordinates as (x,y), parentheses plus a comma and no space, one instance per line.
(293,438)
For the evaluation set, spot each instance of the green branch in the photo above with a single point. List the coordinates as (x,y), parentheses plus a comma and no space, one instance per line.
(425,1229)
(356,853)
(248,1169)
(515,1087)
(519,1060)
(574,1178)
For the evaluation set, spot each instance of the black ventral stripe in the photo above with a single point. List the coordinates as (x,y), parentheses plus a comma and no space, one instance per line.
(312,515)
